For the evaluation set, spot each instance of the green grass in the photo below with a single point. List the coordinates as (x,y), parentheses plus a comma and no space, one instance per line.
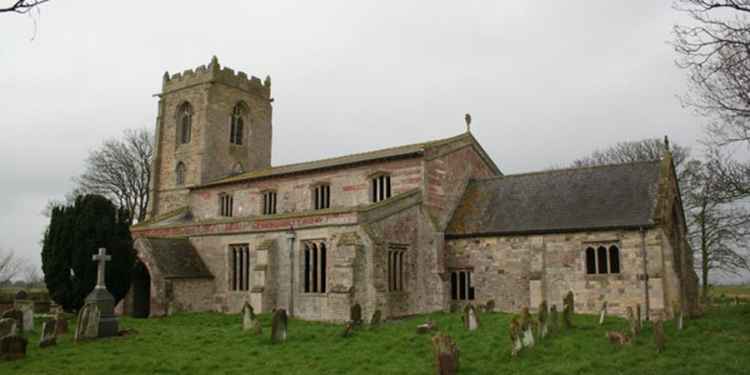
(719,343)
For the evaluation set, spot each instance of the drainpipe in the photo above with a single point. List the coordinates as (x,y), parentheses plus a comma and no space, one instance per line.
(291,236)
(644,256)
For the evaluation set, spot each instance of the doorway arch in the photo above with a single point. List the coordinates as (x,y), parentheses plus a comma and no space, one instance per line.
(141,291)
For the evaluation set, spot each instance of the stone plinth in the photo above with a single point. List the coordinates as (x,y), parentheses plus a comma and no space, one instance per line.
(108,325)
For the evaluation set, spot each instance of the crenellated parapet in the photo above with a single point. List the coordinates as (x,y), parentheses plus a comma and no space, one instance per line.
(215,73)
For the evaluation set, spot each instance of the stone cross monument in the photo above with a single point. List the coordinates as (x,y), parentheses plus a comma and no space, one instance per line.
(100,296)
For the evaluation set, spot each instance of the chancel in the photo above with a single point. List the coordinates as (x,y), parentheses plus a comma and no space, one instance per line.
(411,229)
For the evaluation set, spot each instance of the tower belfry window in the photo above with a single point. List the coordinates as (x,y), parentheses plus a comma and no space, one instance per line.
(380,188)
(237,126)
(185,122)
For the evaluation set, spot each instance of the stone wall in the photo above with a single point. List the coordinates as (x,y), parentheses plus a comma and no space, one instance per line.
(192,295)
(518,271)
(350,187)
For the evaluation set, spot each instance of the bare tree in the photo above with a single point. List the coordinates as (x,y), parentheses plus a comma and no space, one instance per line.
(719,228)
(121,171)
(628,152)
(715,50)
(10,266)
(32,276)
(22,6)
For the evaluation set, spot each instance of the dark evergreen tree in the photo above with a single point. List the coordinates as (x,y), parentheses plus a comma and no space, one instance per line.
(75,234)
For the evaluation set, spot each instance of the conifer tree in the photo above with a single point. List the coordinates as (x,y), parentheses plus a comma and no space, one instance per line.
(75,233)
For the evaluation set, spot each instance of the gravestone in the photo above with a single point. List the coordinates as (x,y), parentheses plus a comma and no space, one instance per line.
(348,329)
(375,321)
(49,334)
(13,347)
(554,319)
(426,328)
(279,327)
(659,335)
(446,354)
(471,318)
(618,338)
(26,307)
(678,315)
(88,323)
(61,324)
(602,313)
(543,319)
(7,327)
(638,319)
(250,321)
(569,309)
(108,325)
(355,314)
(634,328)
(16,315)
(21,295)
(515,336)
(570,300)
(527,328)
(490,307)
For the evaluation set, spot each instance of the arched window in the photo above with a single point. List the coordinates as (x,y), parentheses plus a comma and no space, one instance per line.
(237,126)
(614,259)
(179,174)
(601,254)
(590,260)
(185,122)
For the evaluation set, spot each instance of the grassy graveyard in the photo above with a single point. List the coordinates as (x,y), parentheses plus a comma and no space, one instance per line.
(212,343)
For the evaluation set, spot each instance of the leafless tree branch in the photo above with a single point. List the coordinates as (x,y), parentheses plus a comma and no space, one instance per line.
(22,6)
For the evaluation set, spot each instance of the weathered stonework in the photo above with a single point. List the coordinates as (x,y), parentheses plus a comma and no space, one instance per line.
(189,250)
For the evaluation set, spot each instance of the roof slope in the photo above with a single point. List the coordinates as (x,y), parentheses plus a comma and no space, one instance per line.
(387,153)
(177,258)
(612,196)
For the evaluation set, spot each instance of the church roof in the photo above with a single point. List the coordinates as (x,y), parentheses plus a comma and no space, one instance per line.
(382,154)
(590,198)
(176,258)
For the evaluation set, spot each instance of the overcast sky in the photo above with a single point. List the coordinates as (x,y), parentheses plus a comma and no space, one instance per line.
(545,82)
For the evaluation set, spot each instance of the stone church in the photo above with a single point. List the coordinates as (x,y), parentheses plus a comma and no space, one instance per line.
(407,230)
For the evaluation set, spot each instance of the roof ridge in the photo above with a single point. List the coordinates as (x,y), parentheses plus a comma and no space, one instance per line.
(334,158)
(549,171)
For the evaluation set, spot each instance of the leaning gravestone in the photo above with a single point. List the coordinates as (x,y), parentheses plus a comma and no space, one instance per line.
(13,347)
(250,322)
(7,327)
(490,306)
(602,313)
(471,318)
(569,300)
(543,318)
(515,336)
(569,309)
(17,316)
(554,319)
(279,327)
(659,335)
(49,334)
(527,328)
(355,314)
(446,354)
(375,321)
(87,326)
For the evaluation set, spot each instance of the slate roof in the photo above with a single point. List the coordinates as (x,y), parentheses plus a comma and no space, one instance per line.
(387,153)
(603,197)
(176,258)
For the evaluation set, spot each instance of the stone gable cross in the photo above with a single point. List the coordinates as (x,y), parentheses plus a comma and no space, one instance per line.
(101,258)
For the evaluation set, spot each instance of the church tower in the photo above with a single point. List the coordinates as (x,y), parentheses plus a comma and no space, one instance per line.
(211,123)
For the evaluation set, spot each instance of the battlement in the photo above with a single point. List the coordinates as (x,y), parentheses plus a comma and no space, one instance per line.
(212,73)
